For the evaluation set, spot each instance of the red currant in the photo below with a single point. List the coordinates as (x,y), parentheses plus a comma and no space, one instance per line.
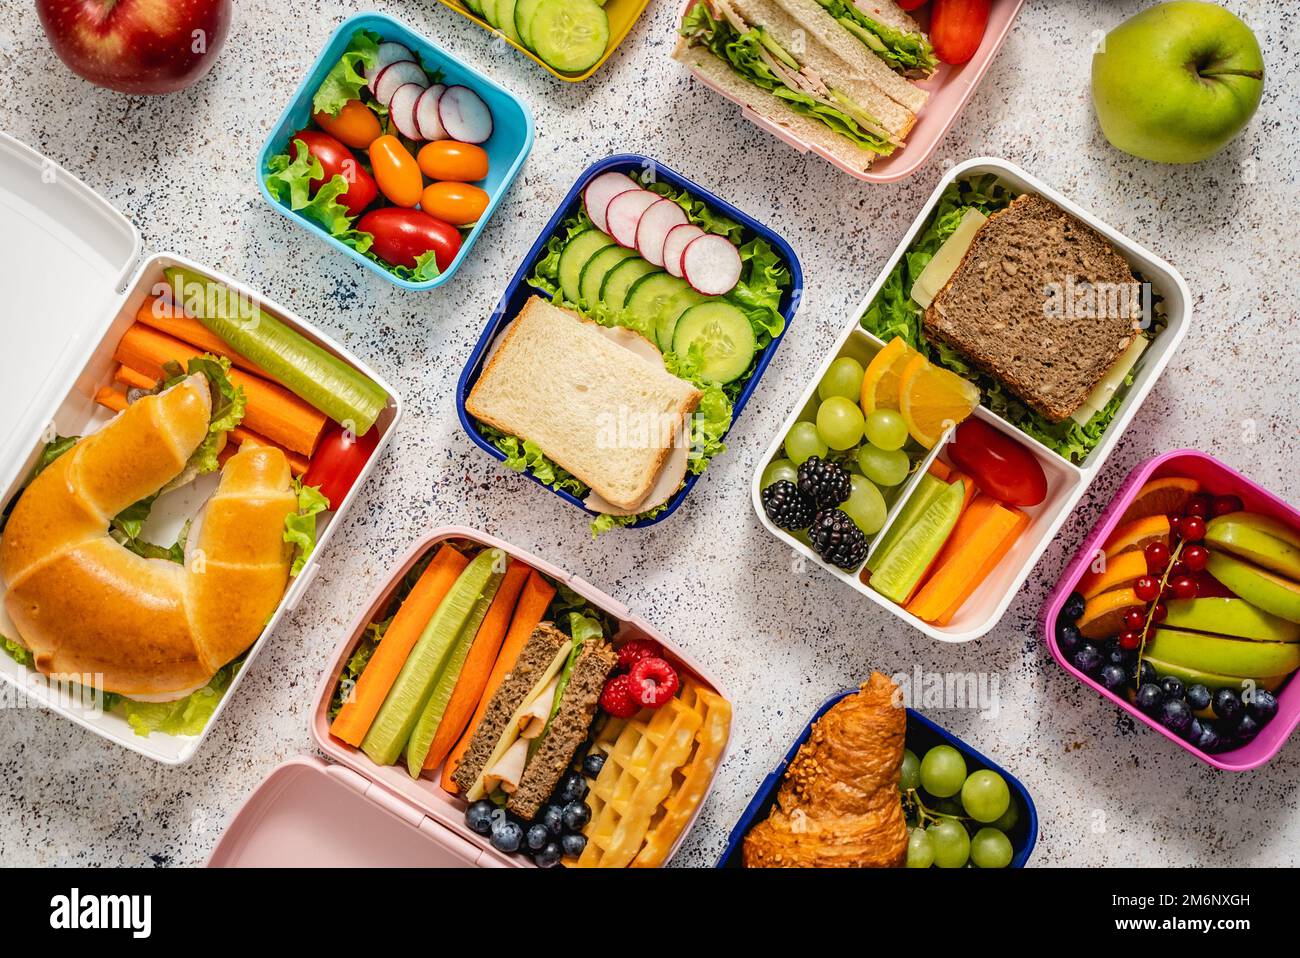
(1177,569)
(1192,528)
(1134,617)
(1175,524)
(1129,640)
(1157,554)
(1159,612)
(1195,557)
(1184,587)
(1197,506)
(1146,588)
(1222,505)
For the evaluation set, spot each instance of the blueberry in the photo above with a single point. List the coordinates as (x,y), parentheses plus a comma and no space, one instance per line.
(1113,677)
(480,815)
(576,816)
(1173,687)
(1067,637)
(1227,705)
(1143,675)
(549,856)
(1262,707)
(1150,697)
(553,818)
(1193,730)
(572,845)
(1247,728)
(1175,715)
(1087,658)
(537,836)
(507,835)
(1073,607)
(1198,697)
(593,763)
(1113,654)
(1209,740)
(573,788)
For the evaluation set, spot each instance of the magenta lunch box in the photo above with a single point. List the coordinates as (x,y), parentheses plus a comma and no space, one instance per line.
(349,812)
(1217,479)
(950,88)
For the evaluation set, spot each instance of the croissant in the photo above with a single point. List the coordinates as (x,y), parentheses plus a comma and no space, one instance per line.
(839,805)
(89,608)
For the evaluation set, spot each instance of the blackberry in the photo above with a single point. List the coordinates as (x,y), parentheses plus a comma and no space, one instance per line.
(825,483)
(787,506)
(837,539)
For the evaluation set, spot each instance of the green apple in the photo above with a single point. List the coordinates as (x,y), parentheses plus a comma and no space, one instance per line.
(1176,82)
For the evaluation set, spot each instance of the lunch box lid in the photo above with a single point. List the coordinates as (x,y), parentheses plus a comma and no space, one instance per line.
(72,255)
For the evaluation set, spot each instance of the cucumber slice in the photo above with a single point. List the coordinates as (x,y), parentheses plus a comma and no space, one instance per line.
(305,369)
(927,489)
(417,748)
(613,291)
(725,338)
(902,566)
(415,682)
(506,19)
(657,300)
(570,35)
(524,11)
(574,257)
(597,268)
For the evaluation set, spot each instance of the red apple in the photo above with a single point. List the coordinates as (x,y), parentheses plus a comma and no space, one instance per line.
(137,46)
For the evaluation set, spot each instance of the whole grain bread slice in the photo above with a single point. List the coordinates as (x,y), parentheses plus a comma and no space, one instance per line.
(1005,307)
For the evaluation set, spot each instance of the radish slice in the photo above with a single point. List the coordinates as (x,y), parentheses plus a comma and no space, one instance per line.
(602,189)
(464,115)
(656,223)
(397,75)
(678,238)
(624,213)
(402,109)
(426,113)
(388,53)
(711,265)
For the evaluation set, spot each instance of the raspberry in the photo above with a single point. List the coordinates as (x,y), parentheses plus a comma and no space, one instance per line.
(633,651)
(617,698)
(652,682)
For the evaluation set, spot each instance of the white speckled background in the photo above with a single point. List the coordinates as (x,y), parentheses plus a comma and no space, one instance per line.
(1108,793)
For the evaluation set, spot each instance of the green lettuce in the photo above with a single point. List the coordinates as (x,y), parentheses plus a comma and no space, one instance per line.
(300,526)
(346,79)
(52,450)
(185,716)
(19,653)
(289,180)
(524,455)
(356,664)
(907,53)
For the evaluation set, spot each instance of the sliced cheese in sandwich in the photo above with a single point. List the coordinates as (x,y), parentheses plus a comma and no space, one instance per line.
(947,258)
(1111,382)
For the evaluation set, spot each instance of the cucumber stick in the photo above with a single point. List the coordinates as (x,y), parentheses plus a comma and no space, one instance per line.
(305,369)
(417,747)
(415,682)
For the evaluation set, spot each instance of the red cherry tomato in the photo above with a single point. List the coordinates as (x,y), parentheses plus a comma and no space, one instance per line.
(337,160)
(402,235)
(1000,466)
(910,4)
(338,461)
(957,27)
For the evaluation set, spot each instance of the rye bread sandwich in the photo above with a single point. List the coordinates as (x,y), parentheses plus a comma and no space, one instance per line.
(1042,302)
(536,720)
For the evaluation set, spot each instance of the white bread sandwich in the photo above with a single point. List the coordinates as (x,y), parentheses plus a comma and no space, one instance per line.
(609,414)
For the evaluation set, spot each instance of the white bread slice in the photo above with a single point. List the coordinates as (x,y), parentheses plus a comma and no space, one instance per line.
(558,381)
(888,13)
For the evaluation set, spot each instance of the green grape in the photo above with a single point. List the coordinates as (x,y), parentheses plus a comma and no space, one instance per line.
(951,844)
(839,423)
(779,469)
(885,428)
(884,467)
(910,777)
(920,849)
(802,443)
(944,806)
(843,378)
(865,505)
(985,796)
(988,849)
(943,771)
(1009,818)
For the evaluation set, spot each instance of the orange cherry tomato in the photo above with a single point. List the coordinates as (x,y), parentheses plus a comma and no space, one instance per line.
(396,171)
(449,160)
(456,203)
(355,126)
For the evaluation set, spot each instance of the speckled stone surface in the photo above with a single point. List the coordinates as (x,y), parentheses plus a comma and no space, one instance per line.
(1108,793)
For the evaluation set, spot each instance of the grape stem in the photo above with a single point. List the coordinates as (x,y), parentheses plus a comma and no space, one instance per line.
(912,802)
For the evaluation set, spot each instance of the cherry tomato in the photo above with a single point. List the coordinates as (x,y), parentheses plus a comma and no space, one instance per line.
(396,170)
(356,125)
(449,160)
(337,160)
(402,235)
(456,203)
(1000,466)
(338,460)
(957,27)
(910,4)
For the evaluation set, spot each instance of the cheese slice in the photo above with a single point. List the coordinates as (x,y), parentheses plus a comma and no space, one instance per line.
(533,721)
(947,258)
(507,773)
(1110,383)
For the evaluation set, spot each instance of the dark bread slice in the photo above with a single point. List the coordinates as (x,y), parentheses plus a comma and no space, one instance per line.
(994,309)
(536,655)
(568,729)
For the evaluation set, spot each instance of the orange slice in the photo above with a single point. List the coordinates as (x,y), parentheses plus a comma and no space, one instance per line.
(1138,534)
(932,399)
(881,381)
(1103,615)
(1115,572)
(1165,496)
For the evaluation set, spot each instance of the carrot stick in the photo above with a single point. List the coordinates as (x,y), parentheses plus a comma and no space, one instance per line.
(949,475)
(354,719)
(478,664)
(534,600)
(272,410)
(161,315)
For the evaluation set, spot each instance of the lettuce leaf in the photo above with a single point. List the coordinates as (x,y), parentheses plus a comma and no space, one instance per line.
(53,449)
(524,455)
(19,653)
(346,79)
(185,716)
(356,664)
(300,526)
(228,407)
(289,180)
(905,52)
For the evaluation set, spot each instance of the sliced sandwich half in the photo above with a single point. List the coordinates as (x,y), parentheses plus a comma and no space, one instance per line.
(891,34)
